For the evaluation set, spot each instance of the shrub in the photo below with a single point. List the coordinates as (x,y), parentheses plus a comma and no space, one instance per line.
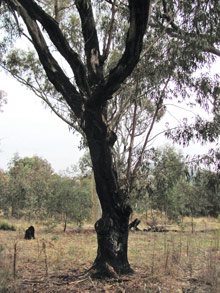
(4,274)
(1,248)
(55,237)
(6,226)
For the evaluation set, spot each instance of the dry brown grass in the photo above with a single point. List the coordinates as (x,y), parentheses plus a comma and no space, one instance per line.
(163,262)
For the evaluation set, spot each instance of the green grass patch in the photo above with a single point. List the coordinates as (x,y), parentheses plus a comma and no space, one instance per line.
(71,250)
(1,248)
(4,274)
(6,226)
(55,238)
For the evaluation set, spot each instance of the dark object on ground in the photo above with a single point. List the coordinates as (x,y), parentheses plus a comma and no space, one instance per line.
(134,225)
(156,229)
(29,233)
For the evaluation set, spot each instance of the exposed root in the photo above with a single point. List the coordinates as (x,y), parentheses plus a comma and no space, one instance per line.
(104,272)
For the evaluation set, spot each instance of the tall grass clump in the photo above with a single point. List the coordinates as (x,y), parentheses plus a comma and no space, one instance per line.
(4,271)
(4,276)
(6,226)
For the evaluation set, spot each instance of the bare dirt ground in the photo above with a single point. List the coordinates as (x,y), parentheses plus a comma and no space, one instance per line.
(163,262)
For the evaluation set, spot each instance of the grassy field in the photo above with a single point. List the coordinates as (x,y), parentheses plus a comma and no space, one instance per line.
(163,262)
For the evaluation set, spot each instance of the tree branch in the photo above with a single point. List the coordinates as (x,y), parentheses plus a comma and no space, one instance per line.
(164,131)
(213,50)
(144,145)
(51,67)
(92,51)
(116,117)
(132,134)
(110,31)
(139,14)
(58,39)
(168,18)
(158,107)
(130,148)
(179,33)
(39,94)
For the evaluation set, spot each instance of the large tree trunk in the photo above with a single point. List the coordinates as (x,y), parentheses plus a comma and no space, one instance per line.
(112,246)
(112,228)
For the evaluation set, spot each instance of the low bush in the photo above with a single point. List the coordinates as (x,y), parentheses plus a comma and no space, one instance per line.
(6,226)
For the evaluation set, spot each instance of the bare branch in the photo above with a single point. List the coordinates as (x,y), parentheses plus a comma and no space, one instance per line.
(158,107)
(39,94)
(106,48)
(139,161)
(130,148)
(164,131)
(132,135)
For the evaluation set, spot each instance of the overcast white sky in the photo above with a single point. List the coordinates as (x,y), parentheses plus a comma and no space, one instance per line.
(27,128)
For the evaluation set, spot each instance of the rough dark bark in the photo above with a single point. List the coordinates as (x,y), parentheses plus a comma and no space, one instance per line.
(112,246)
(134,225)
(112,228)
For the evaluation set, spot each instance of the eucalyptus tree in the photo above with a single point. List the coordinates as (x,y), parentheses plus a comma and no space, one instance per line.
(207,184)
(194,30)
(168,169)
(180,48)
(28,186)
(156,182)
(2,100)
(4,179)
(82,89)
(69,200)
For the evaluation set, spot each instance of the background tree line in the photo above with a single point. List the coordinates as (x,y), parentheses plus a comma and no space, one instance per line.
(166,183)
(30,188)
